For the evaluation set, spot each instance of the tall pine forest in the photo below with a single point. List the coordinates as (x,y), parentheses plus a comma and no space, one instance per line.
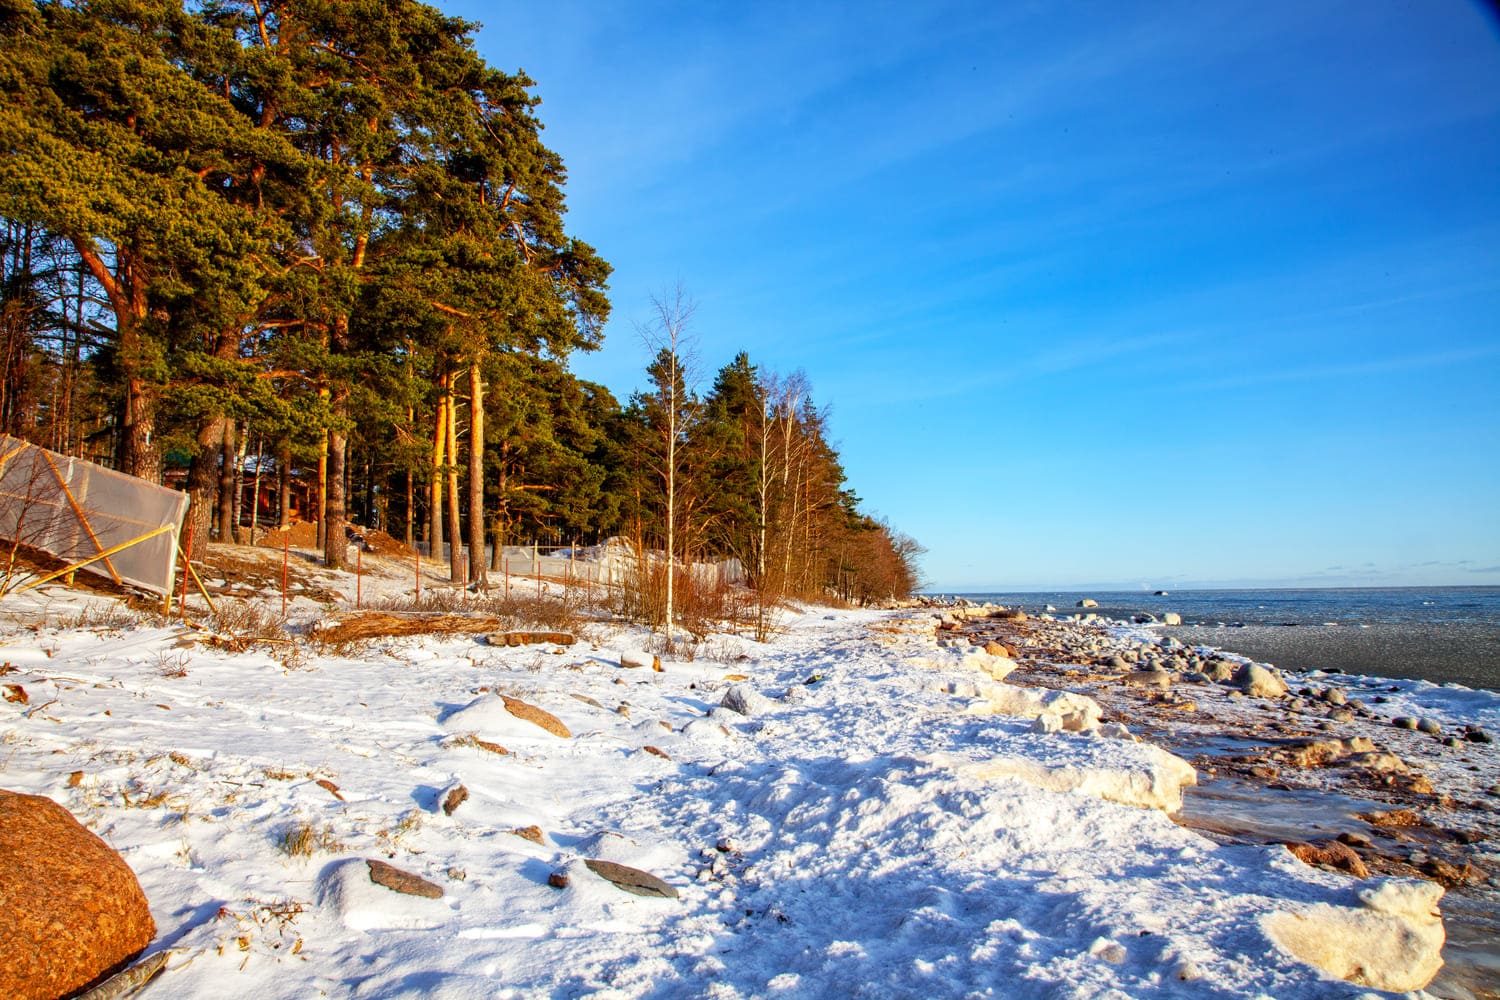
(320,244)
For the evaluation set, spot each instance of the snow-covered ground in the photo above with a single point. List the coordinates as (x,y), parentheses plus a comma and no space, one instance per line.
(870,829)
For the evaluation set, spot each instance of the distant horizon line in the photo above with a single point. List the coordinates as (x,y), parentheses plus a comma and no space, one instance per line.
(1192,588)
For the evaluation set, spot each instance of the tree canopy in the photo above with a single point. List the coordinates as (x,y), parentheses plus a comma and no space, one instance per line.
(327,232)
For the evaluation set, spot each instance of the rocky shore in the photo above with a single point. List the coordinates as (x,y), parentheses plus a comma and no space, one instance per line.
(1346,771)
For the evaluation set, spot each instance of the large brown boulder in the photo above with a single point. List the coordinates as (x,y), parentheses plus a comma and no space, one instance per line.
(71,910)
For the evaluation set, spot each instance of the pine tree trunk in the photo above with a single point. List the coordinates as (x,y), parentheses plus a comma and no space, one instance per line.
(226,482)
(283,483)
(455,536)
(321,517)
(202,481)
(335,546)
(476,476)
(439,445)
(411,513)
(138,455)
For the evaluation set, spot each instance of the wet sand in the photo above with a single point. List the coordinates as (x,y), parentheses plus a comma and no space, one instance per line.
(1453,653)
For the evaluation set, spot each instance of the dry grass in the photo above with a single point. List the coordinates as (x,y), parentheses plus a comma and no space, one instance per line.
(473,740)
(107,615)
(303,839)
(548,613)
(171,665)
(270,923)
(409,822)
(244,623)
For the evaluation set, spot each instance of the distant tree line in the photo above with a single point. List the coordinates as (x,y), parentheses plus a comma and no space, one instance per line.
(322,240)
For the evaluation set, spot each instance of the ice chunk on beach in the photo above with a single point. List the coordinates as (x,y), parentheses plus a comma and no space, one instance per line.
(967,658)
(1392,940)
(1134,774)
(1076,713)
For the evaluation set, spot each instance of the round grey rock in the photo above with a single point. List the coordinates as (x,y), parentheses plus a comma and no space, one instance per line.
(1256,681)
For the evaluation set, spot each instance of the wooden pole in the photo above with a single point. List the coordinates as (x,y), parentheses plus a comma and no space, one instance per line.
(78,512)
(286,548)
(197,582)
(418,554)
(185,567)
(359,573)
(122,984)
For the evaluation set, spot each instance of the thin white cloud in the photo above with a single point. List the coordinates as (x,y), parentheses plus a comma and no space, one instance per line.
(1351,369)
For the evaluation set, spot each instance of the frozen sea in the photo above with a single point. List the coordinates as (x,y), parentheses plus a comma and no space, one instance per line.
(1440,634)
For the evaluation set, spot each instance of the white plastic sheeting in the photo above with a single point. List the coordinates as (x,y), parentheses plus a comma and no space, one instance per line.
(73,510)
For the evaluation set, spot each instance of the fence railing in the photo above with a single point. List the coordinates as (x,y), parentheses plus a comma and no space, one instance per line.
(615,568)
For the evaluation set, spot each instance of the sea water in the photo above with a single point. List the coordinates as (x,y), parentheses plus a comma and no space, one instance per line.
(1440,634)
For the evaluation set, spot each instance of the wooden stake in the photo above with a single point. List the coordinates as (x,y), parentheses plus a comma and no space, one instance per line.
(78,512)
(286,548)
(122,984)
(186,565)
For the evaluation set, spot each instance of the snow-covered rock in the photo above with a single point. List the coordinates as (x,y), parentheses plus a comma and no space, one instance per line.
(488,715)
(346,889)
(1076,713)
(1258,682)
(745,700)
(967,657)
(637,658)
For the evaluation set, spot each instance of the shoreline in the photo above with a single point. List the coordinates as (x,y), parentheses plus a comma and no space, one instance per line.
(1282,771)
(1445,635)
(865,799)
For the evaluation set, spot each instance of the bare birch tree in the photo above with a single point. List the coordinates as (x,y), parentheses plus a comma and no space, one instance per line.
(668,336)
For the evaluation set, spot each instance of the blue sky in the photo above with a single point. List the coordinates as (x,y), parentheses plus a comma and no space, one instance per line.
(1100,294)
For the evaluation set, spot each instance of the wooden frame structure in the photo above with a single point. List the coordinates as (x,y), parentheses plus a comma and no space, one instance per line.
(92,518)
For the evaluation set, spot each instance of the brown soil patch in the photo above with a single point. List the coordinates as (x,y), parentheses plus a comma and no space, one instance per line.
(382,544)
(303,534)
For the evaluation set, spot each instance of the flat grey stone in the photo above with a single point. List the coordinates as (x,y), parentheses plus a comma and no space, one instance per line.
(406,883)
(631,880)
